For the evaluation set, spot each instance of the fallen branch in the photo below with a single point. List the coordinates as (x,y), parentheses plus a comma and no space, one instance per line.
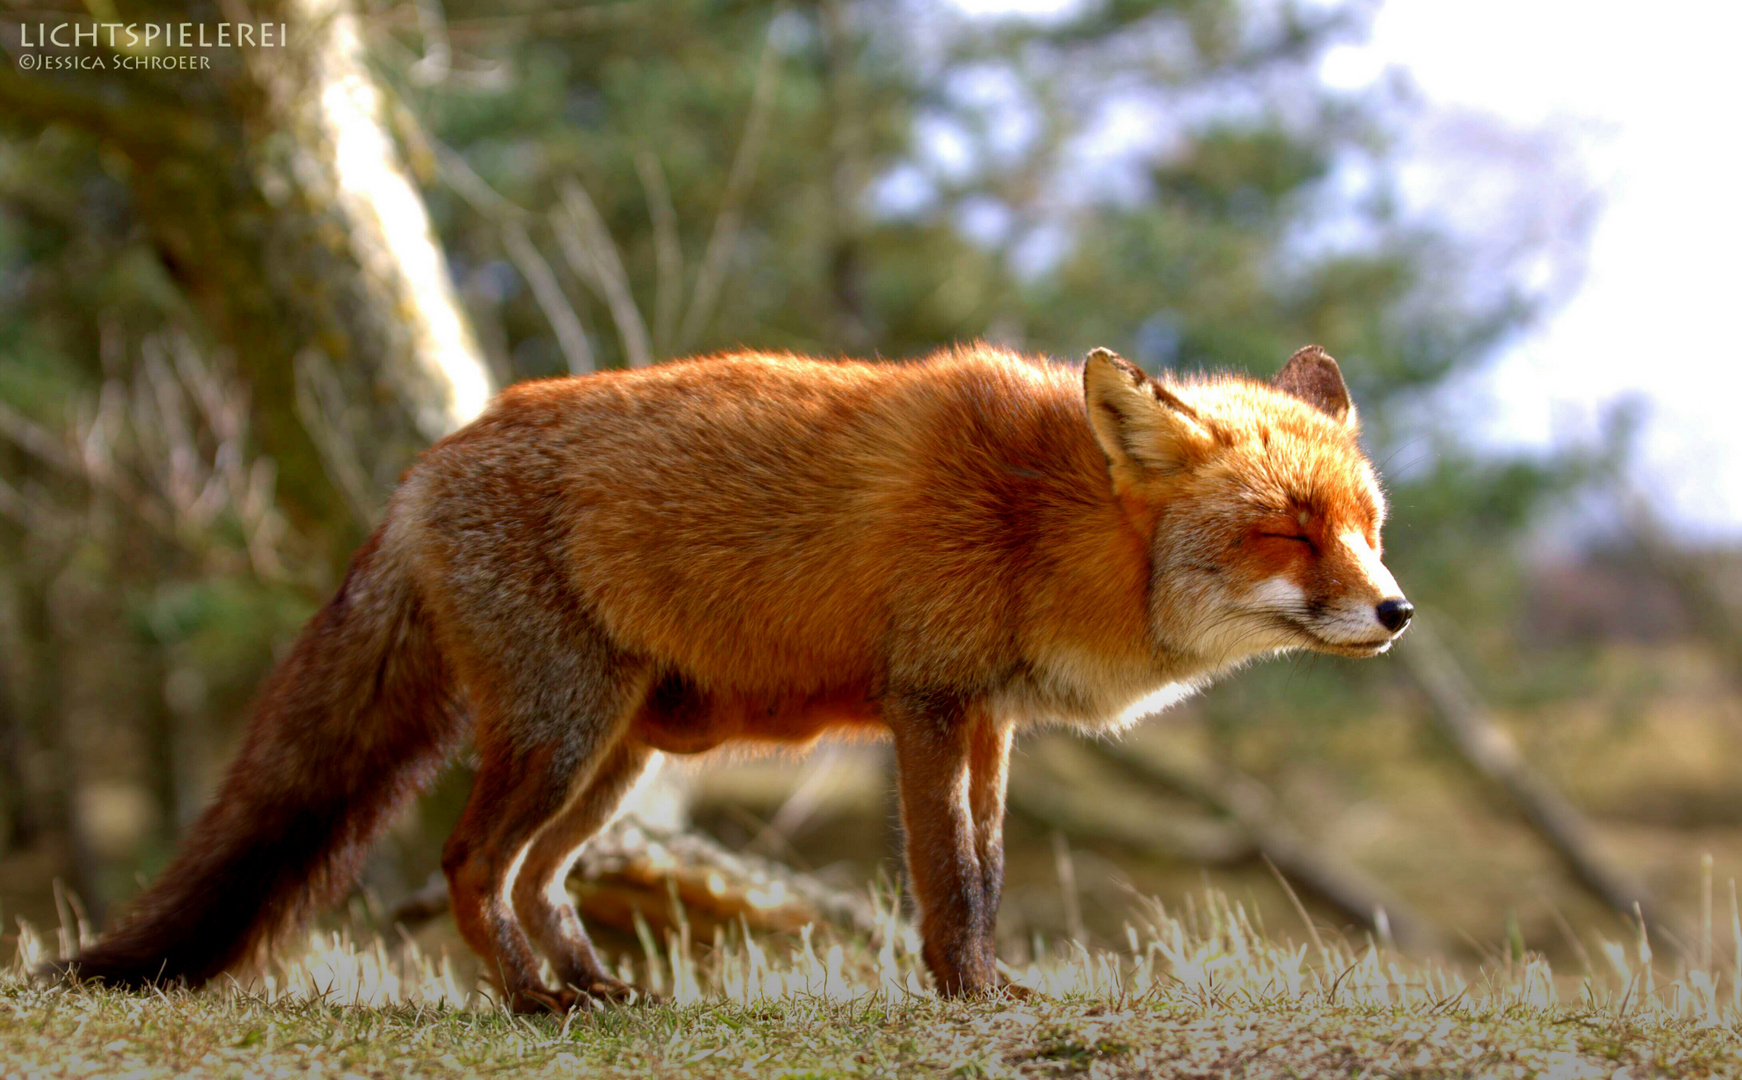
(1253,811)
(1051,803)
(1459,712)
(630,870)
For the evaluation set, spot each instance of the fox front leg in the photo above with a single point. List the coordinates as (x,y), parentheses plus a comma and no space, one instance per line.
(934,753)
(988,778)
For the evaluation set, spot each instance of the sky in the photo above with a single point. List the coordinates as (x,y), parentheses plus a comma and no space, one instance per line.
(1644,100)
(1651,98)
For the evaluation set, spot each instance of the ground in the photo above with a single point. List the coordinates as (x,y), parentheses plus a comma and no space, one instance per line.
(1199,995)
(1166,1035)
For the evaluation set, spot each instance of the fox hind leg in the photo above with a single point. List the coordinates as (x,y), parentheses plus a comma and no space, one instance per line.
(531,747)
(478,859)
(540,890)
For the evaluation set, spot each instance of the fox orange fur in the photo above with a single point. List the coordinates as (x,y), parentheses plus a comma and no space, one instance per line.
(762,548)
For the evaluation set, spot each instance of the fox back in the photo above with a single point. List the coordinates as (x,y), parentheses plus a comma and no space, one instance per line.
(780,528)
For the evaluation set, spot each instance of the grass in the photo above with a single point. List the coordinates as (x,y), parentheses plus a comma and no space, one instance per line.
(1193,994)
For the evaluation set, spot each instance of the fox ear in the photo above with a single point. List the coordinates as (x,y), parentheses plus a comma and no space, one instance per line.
(1137,421)
(1314,377)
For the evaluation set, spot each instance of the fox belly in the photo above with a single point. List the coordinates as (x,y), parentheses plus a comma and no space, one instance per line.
(679,717)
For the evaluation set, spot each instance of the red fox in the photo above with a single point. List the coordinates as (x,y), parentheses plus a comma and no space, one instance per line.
(762,548)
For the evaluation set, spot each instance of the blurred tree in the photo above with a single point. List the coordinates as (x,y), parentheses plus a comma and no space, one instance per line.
(277,209)
(261,206)
(616,184)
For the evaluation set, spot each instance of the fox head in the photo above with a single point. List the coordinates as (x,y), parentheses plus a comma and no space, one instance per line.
(1264,513)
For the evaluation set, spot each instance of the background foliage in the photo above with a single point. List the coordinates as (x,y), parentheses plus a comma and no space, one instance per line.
(624,182)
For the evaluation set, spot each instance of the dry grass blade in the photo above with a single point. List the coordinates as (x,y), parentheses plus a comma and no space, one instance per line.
(170,446)
(711,275)
(336,429)
(591,252)
(1206,994)
(571,336)
(667,250)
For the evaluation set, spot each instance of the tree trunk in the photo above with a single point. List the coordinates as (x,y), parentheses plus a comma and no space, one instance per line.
(277,200)
(22,820)
(848,175)
(278,203)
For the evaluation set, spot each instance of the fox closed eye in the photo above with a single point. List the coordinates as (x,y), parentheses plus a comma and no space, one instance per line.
(1285,527)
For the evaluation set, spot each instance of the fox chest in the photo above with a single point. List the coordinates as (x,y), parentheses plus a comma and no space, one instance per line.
(1093,693)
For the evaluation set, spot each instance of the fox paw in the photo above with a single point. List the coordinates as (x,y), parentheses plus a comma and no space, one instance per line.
(1009,991)
(598,994)
(537,1002)
(608,991)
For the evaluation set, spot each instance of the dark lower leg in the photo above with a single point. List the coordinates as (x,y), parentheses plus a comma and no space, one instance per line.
(479,861)
(518,789)
(540,889)
(988,774)
(932,758)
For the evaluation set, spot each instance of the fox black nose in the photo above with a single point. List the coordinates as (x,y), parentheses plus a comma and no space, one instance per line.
(1393,613)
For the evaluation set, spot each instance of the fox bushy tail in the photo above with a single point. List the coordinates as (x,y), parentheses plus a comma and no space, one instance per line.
(345,731)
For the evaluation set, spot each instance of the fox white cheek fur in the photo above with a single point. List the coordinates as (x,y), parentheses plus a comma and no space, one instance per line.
(1279,594)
